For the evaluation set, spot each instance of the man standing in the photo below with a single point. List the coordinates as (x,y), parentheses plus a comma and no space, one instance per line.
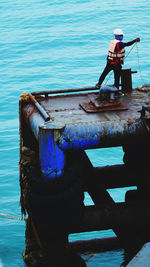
(116,55)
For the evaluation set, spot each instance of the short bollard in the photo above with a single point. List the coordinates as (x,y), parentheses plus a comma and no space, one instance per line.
(126,79)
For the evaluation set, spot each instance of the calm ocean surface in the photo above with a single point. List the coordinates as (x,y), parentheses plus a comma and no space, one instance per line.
(62,44)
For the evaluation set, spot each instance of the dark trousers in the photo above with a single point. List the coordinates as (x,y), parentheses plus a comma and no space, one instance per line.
(117,73)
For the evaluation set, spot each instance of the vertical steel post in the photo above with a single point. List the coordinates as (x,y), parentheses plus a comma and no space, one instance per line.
(126,80)
(52,158)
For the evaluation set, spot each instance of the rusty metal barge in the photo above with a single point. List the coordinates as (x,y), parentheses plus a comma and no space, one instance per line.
(56,127)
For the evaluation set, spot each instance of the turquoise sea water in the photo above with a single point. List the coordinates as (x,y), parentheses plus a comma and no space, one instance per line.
(53,45)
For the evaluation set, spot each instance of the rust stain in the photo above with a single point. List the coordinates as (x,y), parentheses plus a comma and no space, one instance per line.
(56,135)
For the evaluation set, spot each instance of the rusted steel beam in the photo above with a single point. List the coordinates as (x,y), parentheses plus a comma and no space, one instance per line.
(95,245)
(123,216)
(116,176)
(61,91)
(106,216)
(107,177)
(78,160)
(124,232)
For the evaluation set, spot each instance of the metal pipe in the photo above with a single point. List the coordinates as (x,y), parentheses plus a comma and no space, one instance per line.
(133,71)
(39,107)
(60,91)
(94,135)
(109,176)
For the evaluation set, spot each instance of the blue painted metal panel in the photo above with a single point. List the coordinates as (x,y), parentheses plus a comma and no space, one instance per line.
(97,135)
(52,158)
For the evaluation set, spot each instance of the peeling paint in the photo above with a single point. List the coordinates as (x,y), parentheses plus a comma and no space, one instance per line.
(73,128)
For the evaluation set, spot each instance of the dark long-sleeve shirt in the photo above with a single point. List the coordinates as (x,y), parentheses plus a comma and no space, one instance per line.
(121,45)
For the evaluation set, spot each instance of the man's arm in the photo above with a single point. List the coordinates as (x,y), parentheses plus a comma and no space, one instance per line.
(122,45)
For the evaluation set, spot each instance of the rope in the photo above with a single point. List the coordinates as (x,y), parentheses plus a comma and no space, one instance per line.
(25,96)
(25,219)
(130,50)
(35,231)
(139,63)
(108,77)
(89,256)
(13,217)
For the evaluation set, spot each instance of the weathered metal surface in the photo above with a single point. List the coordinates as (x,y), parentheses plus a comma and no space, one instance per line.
(90,108)
(107,216)
(115,176)
(146,118)
(126,80)
(124,122)
(52,158)
(82,130)
(103,217)
(95,104)
(66,108)
(96,135)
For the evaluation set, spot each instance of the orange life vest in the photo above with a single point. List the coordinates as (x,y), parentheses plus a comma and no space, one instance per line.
(112,55)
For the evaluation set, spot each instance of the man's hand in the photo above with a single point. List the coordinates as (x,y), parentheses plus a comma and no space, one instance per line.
(137,39)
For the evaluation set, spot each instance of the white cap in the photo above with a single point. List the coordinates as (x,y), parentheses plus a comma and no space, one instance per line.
(118,32)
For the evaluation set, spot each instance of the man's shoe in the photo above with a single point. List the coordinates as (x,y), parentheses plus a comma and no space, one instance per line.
(119,94)
(97,86)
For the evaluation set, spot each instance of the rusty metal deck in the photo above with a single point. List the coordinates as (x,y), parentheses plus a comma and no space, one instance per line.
(66,108)
(71,127)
